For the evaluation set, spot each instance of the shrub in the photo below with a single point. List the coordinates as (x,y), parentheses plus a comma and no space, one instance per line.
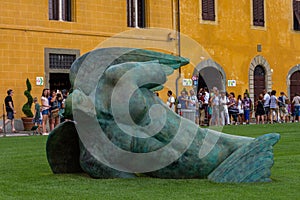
(27,106)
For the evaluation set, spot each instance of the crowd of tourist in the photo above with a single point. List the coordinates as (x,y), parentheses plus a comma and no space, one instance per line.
(219,108)
(50,111)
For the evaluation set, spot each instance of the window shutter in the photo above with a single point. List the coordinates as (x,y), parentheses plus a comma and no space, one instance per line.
(141,13)
(63,9)
(204,9)
(211,10)
(56,9)
(69,18)
(208,10)
(258,13)
(53,9)
(66,10)
(50,7)
(130,13)
(296,8)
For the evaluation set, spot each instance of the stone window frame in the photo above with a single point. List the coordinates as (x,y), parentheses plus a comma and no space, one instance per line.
(288,77)
(47,52)
(259,60)
(61,10)
(253,26)
(204,21)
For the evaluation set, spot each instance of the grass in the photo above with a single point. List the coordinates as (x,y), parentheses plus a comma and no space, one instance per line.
(25,174)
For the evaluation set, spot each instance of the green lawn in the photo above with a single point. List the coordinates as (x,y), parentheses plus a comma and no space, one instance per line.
(25,174)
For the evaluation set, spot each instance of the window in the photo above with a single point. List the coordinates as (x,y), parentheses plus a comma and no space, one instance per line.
(57,67)
(208,10)
(258,13)
(60,10)
(61,61)
(296,14)
(136,15)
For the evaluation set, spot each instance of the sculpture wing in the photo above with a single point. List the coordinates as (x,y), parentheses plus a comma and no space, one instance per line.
(250,163)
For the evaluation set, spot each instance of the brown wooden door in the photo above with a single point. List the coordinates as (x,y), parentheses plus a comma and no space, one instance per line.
(294,84)
(259,80)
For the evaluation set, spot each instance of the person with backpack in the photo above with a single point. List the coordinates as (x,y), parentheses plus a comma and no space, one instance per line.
(282,100)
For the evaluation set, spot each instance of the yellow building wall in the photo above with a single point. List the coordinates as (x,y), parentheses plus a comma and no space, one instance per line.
(232,41)
(25,31)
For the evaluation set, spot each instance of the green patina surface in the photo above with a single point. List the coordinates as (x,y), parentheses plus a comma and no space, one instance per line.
(210,154)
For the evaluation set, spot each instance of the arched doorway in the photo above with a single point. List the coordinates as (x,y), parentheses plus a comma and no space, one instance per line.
(259,80)
(262,62)
(294,83)
(210,74)
(210,77)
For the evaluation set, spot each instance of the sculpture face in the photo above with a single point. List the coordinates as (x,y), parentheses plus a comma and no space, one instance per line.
(123,128)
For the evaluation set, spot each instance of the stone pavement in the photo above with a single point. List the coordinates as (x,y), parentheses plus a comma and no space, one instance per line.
(19,126)
(20,133)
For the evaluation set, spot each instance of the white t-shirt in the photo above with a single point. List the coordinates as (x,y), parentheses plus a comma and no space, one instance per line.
(296,100)
(224,101)
(273,101)
(45,103)
(192,104)
(266,100)
(206,97)
(171,99)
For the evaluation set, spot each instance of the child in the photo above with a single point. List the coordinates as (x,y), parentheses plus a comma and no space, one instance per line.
(37,119)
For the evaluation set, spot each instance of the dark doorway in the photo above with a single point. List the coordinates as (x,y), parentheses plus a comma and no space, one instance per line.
(294,84)
(59,81)
(259,80)
(210,77)
(201,82)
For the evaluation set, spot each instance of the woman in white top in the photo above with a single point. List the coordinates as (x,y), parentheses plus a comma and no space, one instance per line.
(224,116)
(45,109)
(171,101)
(241,109)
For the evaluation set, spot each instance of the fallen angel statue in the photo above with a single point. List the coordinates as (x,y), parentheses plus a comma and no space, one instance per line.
(119,128)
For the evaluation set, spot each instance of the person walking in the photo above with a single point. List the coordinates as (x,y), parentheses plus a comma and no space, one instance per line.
(10,110)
